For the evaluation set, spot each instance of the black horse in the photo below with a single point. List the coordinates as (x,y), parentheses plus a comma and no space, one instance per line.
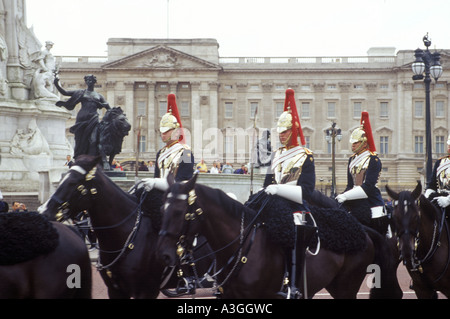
(41,259)
(126,256)
(423,240)
(126,234)
(249,264)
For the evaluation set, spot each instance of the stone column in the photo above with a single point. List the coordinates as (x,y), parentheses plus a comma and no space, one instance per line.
(196,122)
(152,117)
(110,93)
(129,142)
(266,111)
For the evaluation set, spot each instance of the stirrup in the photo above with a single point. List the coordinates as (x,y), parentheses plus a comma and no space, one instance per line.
(188,288)
(289,292)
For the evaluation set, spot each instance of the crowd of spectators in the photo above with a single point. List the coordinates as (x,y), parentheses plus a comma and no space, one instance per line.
(219,168)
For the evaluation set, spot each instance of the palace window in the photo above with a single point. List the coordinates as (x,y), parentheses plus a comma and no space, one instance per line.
(184,109)
(384,110)
(418,109)
(141,108)
(253,107)
(440,112)
(162,108)
(384,144)
(305,111)
(418,144)
(357,109)
(228,110)
(331,110)
(440,144)
(279,109)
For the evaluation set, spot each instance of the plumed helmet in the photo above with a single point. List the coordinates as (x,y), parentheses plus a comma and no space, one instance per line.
(171,120)
(364,133)
(289,119)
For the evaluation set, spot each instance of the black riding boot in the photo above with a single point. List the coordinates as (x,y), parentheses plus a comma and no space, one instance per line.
(304,235)
(295,259)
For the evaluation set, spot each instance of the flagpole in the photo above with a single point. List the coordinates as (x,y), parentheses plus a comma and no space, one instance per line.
(167,19)
(252,160)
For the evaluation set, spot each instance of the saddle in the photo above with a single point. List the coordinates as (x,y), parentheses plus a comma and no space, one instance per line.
(338,230)
(25,236)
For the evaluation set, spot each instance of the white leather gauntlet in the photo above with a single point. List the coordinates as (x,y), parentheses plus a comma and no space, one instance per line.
(443,201)
(291,192)
(352,194)
(158,183)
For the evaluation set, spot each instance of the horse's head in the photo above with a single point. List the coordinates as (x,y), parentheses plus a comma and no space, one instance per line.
(73,193)
(180,221)
(406,219)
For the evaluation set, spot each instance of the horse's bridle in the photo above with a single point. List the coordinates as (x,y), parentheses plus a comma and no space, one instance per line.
(82,189)
(86,188)
(195,212)
(435,242)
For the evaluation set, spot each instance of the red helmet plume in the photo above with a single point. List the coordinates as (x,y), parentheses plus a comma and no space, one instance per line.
(365,124)
(290,106)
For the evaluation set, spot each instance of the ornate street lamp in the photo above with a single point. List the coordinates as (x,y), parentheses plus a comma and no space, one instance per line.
(332,134)
(427,64)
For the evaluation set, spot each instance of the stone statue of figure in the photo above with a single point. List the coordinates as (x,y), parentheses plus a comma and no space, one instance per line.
(30,141)
(87,121)
(42,83)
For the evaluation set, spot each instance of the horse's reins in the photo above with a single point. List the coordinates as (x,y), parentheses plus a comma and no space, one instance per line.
(237,256)
(435,244)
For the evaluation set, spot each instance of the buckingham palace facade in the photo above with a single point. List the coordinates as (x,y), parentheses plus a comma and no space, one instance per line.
(226,103)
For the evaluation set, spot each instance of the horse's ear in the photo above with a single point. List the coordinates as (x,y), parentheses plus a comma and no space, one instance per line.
(191,183)
(391,193)
(417,191)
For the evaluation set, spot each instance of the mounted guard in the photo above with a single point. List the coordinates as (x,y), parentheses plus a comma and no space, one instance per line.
(362,197)
(292,176)
(438,190)
(174,158)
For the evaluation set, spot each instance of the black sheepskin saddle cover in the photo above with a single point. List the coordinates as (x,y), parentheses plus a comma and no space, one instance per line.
(24,236)
(338,230)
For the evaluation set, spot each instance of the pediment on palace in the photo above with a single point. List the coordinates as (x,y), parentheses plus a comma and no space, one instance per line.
(162,57)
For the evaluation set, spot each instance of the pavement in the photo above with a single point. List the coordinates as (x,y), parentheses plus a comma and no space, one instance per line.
(100,291)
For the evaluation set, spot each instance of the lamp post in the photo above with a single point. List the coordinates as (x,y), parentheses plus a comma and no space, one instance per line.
(427,64)
(332,134)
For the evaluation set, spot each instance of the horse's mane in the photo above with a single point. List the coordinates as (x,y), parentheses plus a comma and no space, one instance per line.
(85,161)
(232,207)
(115,186)
(427,206)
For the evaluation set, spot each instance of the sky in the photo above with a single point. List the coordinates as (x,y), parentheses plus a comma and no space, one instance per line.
(251,28)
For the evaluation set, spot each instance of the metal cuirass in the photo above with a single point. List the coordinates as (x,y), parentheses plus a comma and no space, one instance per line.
(170,162)
(290,169)
(359,169)
(443,175)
